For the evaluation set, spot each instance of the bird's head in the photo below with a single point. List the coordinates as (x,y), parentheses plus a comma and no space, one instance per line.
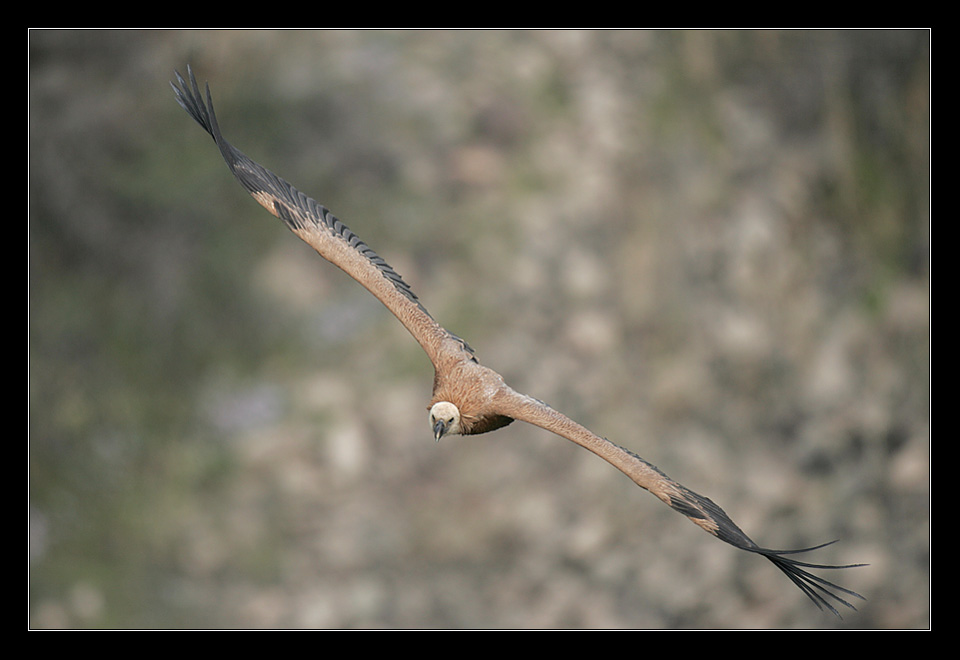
(444,419)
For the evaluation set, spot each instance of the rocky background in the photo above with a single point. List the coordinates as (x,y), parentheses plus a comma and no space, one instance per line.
(711,247)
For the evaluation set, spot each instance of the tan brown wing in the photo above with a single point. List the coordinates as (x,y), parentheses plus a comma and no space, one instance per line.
(701,510)
(319,228)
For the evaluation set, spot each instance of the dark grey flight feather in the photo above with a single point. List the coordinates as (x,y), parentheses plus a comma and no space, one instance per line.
(257,179)
(702,509)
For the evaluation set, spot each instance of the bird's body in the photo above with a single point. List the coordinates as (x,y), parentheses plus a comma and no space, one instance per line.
(468,397)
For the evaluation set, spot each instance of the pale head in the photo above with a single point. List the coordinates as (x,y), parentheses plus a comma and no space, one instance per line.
(444,419)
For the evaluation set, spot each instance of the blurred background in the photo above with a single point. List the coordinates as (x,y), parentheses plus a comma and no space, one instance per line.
(711,247)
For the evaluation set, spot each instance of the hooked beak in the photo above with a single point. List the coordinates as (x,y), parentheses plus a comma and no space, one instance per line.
(439,429)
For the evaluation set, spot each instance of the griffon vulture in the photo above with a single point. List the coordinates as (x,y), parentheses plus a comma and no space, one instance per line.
(469,398)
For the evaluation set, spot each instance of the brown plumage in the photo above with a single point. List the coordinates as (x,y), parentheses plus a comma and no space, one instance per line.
(469,398)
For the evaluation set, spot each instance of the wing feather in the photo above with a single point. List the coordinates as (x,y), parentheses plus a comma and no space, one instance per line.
(702,511)
(323,231)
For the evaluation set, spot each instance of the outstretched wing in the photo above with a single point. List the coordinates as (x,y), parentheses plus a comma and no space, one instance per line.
(319,228)
(701,510)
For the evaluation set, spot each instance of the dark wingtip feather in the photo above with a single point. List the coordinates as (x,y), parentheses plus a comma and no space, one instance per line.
(819,590)
(257,179)
(705,513)
(189,97)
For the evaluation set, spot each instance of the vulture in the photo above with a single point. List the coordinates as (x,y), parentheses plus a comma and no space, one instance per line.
(468,397)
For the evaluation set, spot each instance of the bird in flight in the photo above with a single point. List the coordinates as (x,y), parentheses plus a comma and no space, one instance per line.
(469,398)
